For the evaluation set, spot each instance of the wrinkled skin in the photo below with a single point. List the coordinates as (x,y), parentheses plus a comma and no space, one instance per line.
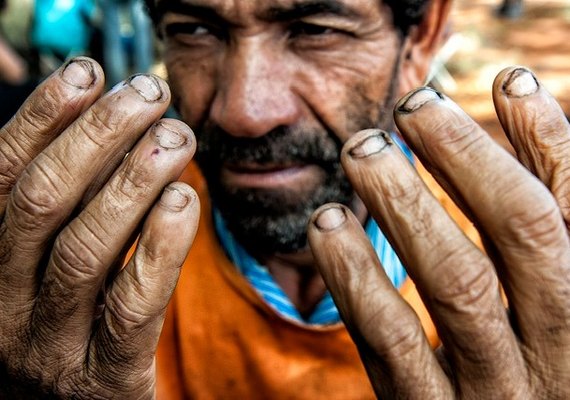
(520,207)
(73,325)
(61,335)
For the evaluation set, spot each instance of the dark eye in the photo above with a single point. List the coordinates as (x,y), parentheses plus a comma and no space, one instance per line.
(305,29)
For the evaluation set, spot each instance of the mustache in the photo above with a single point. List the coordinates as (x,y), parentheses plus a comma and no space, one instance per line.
(282,145)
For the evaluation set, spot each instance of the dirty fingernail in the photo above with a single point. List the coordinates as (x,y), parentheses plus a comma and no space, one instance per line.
(520,83)
(372,144)
(417,99)
(147,86)
(79,73)
(174,199)
(330,218)
(169,137)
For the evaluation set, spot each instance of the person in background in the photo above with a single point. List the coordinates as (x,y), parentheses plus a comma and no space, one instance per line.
(308,195)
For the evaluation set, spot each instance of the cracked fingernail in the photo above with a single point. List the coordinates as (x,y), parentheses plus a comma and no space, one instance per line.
(372,144)
(174,199)
(147,86)
(79,73)
(330,218)
(417,99)
(520,83)
(169,137)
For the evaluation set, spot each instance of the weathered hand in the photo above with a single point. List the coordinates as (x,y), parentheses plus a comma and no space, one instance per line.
(487,352)
(71,325)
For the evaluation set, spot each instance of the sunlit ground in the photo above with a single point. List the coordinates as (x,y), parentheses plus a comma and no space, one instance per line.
(481,45)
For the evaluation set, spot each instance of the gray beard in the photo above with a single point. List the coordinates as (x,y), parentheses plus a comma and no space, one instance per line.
(273,221)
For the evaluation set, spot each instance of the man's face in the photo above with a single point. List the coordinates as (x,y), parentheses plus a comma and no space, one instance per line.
(272,89)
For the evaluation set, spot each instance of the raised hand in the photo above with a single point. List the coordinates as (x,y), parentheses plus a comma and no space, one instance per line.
(521,209)
(79,175)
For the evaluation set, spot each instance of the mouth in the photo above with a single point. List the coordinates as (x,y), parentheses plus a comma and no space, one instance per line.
(269,176)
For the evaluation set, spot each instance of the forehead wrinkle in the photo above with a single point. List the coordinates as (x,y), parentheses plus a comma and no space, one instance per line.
(298,9)
(240,11)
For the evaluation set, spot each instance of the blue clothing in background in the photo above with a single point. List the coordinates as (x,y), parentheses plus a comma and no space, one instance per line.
(62,27)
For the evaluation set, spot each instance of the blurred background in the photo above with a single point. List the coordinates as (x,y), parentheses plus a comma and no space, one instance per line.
(484,36)
(482,42)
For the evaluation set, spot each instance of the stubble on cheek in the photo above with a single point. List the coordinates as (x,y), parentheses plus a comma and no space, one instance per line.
(364,112)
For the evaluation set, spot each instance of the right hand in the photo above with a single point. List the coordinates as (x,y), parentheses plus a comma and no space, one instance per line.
(71,323)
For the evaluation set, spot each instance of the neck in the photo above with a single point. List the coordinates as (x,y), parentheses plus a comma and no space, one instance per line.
(297,275)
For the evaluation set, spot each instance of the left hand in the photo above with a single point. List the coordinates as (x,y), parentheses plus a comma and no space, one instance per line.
(521,209)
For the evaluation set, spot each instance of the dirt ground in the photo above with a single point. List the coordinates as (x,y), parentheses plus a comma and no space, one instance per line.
(481,45)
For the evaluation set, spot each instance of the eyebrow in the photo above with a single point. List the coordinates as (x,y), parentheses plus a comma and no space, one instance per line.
(303,9)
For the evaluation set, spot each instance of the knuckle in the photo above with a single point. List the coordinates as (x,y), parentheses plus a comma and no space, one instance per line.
(152,267)
(391,342)
(78,253)
(41,113)
(112,208)
(542,123)
(8,177)
(134,182)
(36,198)
(12,157)
(411,206)
(122,319)
(100,130)
(539,227)
(403,193)
(467,289)
(456,136)
(151,253)
(403,342)
(127,190)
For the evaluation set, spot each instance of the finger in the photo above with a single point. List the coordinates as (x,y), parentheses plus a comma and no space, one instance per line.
(125,344)
(512,208)
(385,329)
(538,130)
(89,245)
(57,102)
(456,281)
(52,185)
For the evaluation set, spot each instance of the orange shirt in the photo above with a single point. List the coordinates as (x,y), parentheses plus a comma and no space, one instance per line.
(222,341)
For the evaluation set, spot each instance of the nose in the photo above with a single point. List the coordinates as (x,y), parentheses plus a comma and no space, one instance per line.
(254,92)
